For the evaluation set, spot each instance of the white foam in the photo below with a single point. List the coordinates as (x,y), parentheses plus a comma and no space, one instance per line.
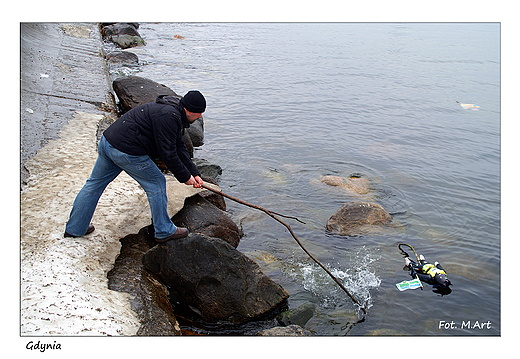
(359,279)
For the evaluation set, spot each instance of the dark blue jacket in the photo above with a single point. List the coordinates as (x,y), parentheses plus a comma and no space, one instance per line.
(155,129)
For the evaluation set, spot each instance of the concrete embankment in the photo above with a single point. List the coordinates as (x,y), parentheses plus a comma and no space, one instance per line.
(62,72)
(65,93)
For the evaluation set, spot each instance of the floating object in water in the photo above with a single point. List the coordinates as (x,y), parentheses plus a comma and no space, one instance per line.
(409,284)
(432,274)
(469,106)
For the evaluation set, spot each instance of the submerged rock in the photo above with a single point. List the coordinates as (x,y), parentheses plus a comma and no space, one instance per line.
(352,215)
(216,280)
(289,331)
(353,183)
(299,315)
(201,216)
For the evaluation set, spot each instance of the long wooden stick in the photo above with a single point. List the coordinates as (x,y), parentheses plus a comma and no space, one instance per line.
(273,215)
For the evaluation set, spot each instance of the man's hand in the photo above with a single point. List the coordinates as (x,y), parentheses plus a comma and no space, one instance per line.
(196,182)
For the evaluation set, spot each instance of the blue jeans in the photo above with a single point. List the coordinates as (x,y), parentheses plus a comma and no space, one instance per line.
(109,164)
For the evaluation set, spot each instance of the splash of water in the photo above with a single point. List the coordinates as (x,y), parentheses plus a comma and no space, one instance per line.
(359,278)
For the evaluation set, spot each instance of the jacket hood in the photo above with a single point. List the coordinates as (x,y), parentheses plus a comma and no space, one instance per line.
(175,102)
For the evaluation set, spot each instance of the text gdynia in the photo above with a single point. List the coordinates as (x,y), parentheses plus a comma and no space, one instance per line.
(42,347)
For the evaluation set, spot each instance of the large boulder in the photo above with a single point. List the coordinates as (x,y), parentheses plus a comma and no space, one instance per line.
(133,91)
(201,216)
(354,218)
(150,297)
(217,281)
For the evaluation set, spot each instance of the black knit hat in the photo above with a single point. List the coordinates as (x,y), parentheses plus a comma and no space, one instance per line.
(194,101)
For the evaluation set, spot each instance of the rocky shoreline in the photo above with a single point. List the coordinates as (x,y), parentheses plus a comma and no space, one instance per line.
(98,284)
(135,285)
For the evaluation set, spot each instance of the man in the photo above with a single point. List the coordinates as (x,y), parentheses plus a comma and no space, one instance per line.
(150,130)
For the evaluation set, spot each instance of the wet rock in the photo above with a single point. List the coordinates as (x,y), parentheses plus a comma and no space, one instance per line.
(201,216)
(124,35)
(218,282)
(208,169)
(353,215)
(194,135)
(119,28)
(196,131)
(209,173)
(289,331)
(213,198)
(127,41)
(133,91)
(299,315)
(134,24)
(122,57)
(149,297)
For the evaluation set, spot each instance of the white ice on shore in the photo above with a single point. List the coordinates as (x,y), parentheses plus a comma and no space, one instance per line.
(64,285)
